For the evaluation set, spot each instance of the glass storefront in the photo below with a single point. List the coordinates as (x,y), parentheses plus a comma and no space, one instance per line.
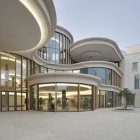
(46,99)
(13,87)
(86,98)
(58,97)
(15,95)
(65,97)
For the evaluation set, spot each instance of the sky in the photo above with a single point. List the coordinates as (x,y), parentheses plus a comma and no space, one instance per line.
(118,20)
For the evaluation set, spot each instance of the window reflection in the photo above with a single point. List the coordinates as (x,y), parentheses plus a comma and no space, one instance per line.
(85,98)
(56,50)
(102,99)
(104,73)
(46,99)
(33,94)
(109,99)
(67,97)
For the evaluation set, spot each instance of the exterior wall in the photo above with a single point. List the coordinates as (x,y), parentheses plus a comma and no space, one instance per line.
(16,95)
(129,74)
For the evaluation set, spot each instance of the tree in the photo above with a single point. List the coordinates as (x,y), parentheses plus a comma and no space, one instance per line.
(41,101)
(51,106)
(128,96)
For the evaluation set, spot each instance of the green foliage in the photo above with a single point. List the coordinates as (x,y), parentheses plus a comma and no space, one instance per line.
(51,106)
(128,96)
(41,101)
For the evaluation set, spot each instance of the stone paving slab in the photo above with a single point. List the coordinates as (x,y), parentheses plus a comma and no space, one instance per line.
(101,124)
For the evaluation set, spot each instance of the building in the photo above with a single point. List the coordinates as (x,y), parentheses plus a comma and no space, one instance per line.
(43,69)
(132,71)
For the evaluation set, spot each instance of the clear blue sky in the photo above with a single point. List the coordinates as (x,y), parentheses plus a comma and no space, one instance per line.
(118,20)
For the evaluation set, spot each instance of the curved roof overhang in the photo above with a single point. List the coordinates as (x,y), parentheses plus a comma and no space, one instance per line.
(26,25)
(45,78)
(64,32)
(109,88)
(95,49)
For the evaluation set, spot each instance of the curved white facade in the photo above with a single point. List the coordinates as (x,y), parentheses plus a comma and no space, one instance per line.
(101,49)
(62,75)
(27,25)
(132,71)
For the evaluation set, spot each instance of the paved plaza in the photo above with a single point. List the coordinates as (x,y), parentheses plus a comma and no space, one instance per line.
(101,124)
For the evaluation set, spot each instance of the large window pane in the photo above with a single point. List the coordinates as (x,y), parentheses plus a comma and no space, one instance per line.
(4,71)
(12,78)
(11,101)
(108,77)
(33,97)
(136,81)
(24,101)
(85,97)
(18,100)
(4,101)
(135,67)
(67,97)
(24,73)
(109,99)
(101,74)
(18,73)
(102,99)
(46,99)
(97,98)
(93,71)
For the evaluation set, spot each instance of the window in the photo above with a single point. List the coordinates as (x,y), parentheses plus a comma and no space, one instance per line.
(136,81)
(135,66)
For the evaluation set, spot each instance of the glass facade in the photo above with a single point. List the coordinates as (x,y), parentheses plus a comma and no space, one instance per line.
(63,97)
(56,50)
(16,95)
(86,98)
(13,87)
(108,76)
(66,97)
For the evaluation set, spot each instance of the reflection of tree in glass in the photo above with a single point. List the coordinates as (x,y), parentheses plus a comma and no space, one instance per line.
(41,101)
(72,102)
(58,101)
(86,101)
(64,99)
(51,106)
